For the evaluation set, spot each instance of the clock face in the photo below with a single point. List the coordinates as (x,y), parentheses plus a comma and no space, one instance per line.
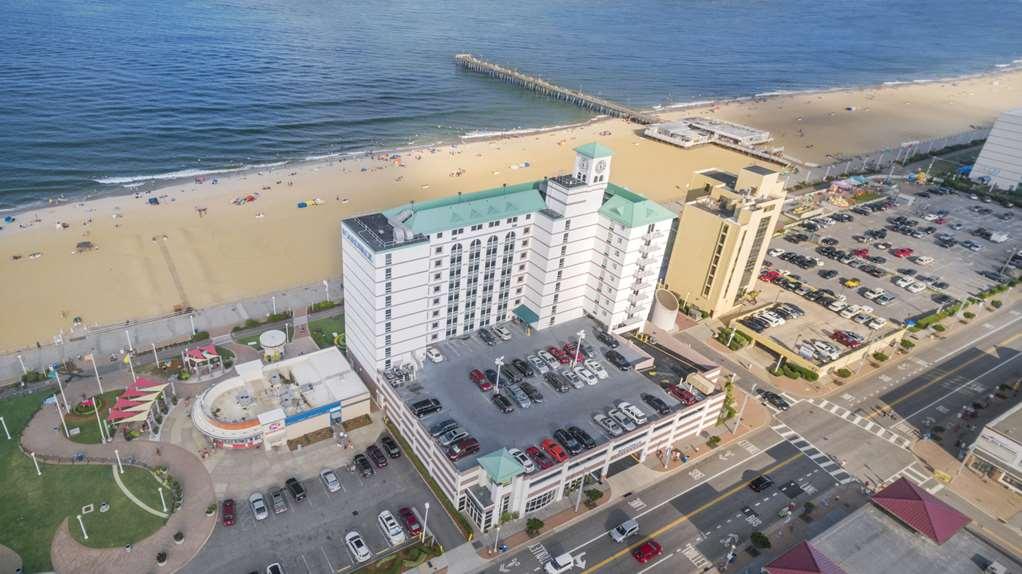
(601,165)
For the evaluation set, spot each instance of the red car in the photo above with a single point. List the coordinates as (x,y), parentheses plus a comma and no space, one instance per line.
(542,461)
(902,252)
(648,551)
(683,395)
(462,448)
(769,276)
(559,354)
(553,449)
(480,380)
(847,338)
(860,252)
(410,521)
(941,220)
(227,512)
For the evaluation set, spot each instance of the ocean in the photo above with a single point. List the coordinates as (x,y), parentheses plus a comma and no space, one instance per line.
(103,96)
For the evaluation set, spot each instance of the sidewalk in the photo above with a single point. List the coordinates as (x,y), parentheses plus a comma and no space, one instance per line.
(69,556)
(995,499)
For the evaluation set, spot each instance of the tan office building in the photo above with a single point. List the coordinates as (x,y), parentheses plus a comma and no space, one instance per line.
(723,236)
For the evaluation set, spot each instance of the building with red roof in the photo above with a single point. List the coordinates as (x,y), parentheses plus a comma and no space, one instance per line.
(803,558)
(920,510)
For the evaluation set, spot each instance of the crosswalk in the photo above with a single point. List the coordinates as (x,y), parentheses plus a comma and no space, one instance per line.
(749,447)
(822,460)
(540,552)
(637,503)
(919,476)
(863,423)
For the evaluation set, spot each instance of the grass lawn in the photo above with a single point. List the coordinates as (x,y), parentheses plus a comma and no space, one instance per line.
(88,428)
(322,330)
(249,341)
(402,560)
(34,506)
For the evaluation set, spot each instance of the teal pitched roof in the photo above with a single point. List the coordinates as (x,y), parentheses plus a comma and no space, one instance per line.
(631,209)
(469,208)
(526,314)
(501,466)
(594,150)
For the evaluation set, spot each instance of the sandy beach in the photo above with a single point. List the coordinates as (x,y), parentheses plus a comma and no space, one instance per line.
(197,247)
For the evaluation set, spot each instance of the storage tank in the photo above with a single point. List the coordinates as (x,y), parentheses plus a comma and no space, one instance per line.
(665,310)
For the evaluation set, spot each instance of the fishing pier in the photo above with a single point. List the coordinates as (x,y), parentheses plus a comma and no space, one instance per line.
(541,86)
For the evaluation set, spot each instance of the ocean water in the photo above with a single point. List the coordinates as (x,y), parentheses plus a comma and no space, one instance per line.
(99,96)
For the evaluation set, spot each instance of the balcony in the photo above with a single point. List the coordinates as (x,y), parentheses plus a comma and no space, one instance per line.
(643,273)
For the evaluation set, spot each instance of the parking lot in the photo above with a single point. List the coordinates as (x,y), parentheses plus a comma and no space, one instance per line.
(309,536)
(957,266)
(474,410)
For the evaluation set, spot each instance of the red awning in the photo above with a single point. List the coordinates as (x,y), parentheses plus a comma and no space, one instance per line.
(920,510)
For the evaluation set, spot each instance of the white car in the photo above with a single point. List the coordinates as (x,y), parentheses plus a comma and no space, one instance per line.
(633,412)
(330,480)
(608,424)
(916,287)
(825,350)
(434,355)
(597,369)
(549,359)
(836,306)
(573,378)
(258,504)
(902,281)
(560,564)
(622,419)
(390,528)
(922,259)
(521,457)
(876,323)
(849,312)
(503,333)
(872,294)
(538,364)
(862,318)
(359,551)
(931,217)
(775,252)
(587,376)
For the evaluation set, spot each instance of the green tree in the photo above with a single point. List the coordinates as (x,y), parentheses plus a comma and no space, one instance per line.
(533,526)
(728,410)
(760,540)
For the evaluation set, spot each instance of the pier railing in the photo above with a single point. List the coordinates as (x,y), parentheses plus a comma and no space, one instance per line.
(549,89)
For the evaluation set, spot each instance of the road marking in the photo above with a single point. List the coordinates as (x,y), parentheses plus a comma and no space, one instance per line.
(655,564)
(685,517)
(327,558)
(749,447)
(540,553)
(696,474)
(637,503)
(307,567)
(814,454)
(980,376)
(919,477)
(940,378)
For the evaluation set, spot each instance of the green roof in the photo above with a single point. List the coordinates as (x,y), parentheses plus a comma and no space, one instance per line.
(501,466)
(526,314)
(470,208)
(631,209)
(594,150)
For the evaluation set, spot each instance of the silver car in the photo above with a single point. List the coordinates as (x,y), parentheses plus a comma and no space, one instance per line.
(519,396)
(622,419)
(573,378)
(609,425)
(258,505)
(538,364)
(330,480)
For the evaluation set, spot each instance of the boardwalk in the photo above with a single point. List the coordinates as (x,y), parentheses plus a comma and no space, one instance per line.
(541,86)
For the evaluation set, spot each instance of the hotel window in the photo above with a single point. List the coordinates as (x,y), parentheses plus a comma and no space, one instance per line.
(436,276)
(518,291)
(386,327)
(439,250)
(440,235)
(528,216)
(525,243)
(436,313)
(525,231)
(518,301)
(386,353)
(493,224)
(388,259)
(435,337)
(436,289)
(436,300)
(521,267)
(387,339)
(564,250)
(386,300)
(567,224)
(386,314)
(387,274)
(438,263)
(564,238)
(386,287)
(436,324)
(477,227)
(561,264)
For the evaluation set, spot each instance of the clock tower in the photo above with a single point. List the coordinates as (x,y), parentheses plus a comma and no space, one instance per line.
(592,163)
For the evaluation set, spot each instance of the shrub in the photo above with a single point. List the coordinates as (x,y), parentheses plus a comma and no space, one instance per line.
(907,344)
(939,328)
(533,526)
(33,377)
(179,536)
(211,509)
(161,557)
(759,540)
(592,495)
(808,507)
(183,375)
(969,315)
(880,356)
(321,306)
(713,441)
(200,336)
(508,517)
(844,373)
(996,303)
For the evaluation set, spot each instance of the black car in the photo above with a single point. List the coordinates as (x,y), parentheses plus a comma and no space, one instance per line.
(523,367)
(761,483)
(582,437)
(295,488)
(532,392)
(426,407)
(828,273)
(775,399)
(567,441)
(509,375)
(376,455)
(940,285)
(442,427)
(656,403)
(390,446)
(618,360)
(487,337)
(362,464)
(607,339)
(829,241)
(558,382)
(503,403)
(491,375)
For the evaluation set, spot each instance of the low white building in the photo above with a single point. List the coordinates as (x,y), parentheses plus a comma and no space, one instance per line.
(1000,161)
(267,405)
(997,452)
(544,252)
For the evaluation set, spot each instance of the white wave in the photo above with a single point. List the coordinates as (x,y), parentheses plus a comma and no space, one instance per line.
(521,131)
(184,173)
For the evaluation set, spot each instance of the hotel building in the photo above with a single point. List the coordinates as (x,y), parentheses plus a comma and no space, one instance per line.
(544,252)
(1000,160)
(723,235)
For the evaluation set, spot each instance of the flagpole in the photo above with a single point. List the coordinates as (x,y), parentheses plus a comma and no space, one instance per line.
(95,369)
(132,367)
(56,375)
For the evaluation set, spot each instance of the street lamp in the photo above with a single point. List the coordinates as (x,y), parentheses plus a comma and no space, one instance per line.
(578,349)
(499,361)
(326,288)
(425,517)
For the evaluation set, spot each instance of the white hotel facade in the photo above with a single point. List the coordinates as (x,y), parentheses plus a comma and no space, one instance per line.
(545,252)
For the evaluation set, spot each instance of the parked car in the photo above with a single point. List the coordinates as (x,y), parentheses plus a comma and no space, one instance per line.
(519,396)
(452,436)
(554,450)
(524,368)
(376,455)
(550,360)
(532,392)
(618,360)
(487,337)
(227,514)
(597,369)
(357,546)
(391,530)
(426,407)
(502,403)
(330,481)
(295,488)
(523,459)
(570,443)
(462,448)
(479,378)
(622,419)
(683,395)
(558,382)
(539,457)
(410,521)
(538,364)
(390,447)
(761,483)
(274,568)
(442,427)
(502,332)
(656,403)
(278,501)
(572,378)
(633,412)
(607,339)
(608,424)
(258,504)
(433,355)
(587,376)
(583,437)
(362,464)
(647,551)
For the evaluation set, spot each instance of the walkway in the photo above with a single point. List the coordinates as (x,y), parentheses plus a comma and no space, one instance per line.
(68,556)
(132,497)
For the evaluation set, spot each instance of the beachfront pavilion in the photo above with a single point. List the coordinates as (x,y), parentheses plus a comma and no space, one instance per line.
(202,359)
(136,404)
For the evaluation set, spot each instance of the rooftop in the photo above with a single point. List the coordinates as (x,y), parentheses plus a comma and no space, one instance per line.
(474,410)
(920,510)
(760,170)
(631,209)
(803,558)
(1009,424)
(869,540)
(727,178)
(594,150)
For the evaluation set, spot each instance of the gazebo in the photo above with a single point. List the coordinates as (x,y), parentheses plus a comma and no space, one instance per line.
(204,357)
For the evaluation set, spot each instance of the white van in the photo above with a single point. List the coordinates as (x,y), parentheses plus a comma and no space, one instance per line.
(624,530)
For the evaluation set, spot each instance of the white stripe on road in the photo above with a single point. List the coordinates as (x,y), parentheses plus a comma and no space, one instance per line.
(965,384)
(655,564)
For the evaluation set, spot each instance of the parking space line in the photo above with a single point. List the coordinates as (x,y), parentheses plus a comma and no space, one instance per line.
(327,558)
